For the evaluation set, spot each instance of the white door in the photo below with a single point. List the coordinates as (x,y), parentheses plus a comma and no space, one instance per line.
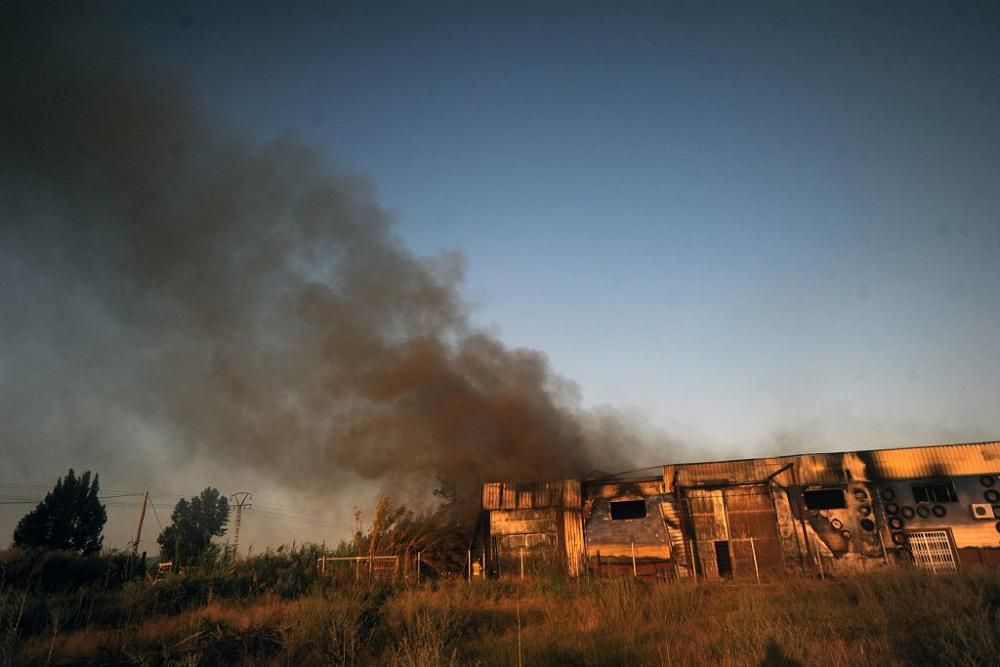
(931,550)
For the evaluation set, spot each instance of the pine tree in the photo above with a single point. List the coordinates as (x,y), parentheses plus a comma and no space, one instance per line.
(193,525)
(70,518)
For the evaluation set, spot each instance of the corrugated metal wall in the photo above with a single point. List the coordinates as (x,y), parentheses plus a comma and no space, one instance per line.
(753,532)
(944,460)
(574,542)
(532,495)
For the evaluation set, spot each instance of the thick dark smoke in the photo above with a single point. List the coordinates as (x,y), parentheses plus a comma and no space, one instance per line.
(171,285)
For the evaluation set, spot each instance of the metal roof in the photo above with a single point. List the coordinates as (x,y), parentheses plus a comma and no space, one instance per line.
(926,461)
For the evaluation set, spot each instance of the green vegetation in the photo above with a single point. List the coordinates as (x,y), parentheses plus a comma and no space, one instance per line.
(70,518)
(276,609)
(193,524)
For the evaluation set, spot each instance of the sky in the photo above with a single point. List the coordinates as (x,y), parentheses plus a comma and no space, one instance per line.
(752,228)
(737,219)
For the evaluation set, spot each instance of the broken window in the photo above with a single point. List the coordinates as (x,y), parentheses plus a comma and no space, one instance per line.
(628,509)
(824,499)
(935,493)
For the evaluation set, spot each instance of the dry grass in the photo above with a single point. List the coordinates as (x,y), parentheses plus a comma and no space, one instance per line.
(898,618)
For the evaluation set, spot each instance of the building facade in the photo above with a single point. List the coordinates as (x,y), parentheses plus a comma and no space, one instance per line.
(935,507)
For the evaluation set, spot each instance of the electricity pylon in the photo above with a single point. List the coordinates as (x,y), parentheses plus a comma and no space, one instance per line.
(241,499)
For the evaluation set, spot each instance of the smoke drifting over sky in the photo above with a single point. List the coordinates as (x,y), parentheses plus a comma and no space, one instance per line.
(173,290)
(762,228)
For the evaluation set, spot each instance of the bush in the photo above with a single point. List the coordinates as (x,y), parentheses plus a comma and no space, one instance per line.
(61,571)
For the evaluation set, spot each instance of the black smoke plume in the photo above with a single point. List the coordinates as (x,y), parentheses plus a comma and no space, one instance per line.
(172,287)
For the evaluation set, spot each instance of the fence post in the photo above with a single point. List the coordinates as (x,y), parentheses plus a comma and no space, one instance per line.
(468,560)
(689,549)
(522,563)
(753,551)
(635,572)
(418,568)
(819,559)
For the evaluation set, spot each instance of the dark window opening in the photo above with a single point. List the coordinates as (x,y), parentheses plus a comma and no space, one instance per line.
(628,509)
(935,493)
(722,558)
(825,499)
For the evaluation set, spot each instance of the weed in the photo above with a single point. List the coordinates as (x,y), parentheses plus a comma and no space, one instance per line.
(273,610)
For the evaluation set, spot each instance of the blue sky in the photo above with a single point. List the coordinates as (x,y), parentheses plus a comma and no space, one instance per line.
(759,226)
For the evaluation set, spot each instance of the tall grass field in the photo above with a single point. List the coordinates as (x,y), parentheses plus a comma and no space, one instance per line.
(276,609)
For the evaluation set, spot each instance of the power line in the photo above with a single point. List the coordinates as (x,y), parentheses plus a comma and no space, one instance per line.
(26,500)
(157,516)
(301,519)
(48,487)
(272,511)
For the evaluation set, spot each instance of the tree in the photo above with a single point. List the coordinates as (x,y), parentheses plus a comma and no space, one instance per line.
(193,525)
(70,518)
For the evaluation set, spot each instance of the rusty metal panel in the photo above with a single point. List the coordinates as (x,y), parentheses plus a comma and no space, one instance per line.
(707,511)
(510,522)
(824,469)
(680,552)
(936,461)
(753,532)
(725,473)
(529,542)
(573,541)
(531,495)
(621,489)
(843,467)
(708,514)
(789,533)
(625,550)
(537,552)
(572,497)
(614,538)
(491,495)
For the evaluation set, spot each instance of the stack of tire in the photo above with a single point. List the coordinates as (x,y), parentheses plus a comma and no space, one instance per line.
(991,495)
(899,515)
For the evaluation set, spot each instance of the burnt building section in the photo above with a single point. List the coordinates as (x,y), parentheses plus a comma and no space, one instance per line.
(531,526)
(627,529)
(935,507)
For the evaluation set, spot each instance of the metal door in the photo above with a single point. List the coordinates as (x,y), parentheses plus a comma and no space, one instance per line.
(753,532)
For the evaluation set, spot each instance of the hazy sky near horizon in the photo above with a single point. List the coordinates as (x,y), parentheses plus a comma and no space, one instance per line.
(754,227)
(748,222)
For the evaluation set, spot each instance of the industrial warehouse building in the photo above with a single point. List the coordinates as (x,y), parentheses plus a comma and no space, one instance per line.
(934,507)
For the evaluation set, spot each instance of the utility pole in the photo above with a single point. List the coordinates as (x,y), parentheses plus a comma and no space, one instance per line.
(138,528)
(242,501)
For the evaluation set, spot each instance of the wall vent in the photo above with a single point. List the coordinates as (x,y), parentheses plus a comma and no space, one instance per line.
(982,511)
